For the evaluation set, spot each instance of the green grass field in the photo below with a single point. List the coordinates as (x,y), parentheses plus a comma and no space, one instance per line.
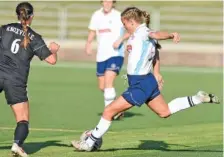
(65,101)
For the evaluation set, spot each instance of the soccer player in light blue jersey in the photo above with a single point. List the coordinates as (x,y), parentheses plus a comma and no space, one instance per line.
(143,87)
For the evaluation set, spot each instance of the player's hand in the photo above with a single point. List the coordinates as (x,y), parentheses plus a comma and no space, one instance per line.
(54,47)
(159,80)
(117,43)
(176,37)
(88,51)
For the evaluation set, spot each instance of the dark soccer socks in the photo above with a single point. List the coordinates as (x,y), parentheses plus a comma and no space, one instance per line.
(21,132)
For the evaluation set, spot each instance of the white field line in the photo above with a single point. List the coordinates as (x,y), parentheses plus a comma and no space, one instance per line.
(164,69)
(43,129)
(49,130)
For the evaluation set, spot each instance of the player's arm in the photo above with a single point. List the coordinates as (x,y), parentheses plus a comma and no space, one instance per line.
(156,63)
(40,49)
(52,58)
(0,33)
(88,47)
(120,40)
(165,35)
(156,70)
(93,26)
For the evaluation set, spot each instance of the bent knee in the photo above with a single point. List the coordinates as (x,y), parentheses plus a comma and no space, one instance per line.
(164,114)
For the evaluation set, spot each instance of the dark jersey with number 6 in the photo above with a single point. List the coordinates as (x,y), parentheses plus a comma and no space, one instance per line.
(15,59)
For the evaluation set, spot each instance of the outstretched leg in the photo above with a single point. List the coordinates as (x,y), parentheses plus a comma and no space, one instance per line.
(160,107)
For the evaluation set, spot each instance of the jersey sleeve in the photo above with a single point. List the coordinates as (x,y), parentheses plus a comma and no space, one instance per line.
(93,22)
(40,48)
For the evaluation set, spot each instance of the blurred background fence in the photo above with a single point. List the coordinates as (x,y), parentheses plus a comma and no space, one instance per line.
(199,23)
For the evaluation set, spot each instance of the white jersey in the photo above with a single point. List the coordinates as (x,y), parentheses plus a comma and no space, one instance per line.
(141,51)
(108,29)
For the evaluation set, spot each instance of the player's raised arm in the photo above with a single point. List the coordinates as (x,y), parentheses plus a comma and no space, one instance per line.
(165,35)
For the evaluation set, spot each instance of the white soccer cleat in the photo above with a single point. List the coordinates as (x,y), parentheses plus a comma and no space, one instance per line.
(17,151)
(207,97)
(81,146)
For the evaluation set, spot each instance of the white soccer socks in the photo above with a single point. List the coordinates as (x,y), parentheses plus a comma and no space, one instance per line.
(109,95)
(99,131)
(179,104)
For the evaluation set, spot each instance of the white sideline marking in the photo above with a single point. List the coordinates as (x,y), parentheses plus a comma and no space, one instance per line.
(43,129)
(50,130)
(165,69)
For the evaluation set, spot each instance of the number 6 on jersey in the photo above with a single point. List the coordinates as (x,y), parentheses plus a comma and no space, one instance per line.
(15,46)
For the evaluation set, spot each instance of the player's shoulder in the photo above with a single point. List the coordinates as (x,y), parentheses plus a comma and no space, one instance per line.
(97,12)
(5,26)
(142,32)
(34,32)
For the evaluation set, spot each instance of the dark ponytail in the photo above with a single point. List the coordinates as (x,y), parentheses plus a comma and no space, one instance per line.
(24,11)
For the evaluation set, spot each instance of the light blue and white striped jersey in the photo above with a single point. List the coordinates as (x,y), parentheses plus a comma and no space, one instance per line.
(141,51)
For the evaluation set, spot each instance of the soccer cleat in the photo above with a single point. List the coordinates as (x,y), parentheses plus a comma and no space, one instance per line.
(208,97)
(18,151)
(118,116)
(81,146)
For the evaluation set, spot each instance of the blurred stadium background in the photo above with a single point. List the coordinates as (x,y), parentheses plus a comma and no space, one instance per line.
(198,22)
(65,100)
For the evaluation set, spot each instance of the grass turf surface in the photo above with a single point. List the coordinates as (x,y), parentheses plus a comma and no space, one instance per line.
(65,101)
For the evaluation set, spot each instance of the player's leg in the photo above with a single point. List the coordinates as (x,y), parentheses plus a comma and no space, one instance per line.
(101,68)
(16,97)
(101,82)
(113,67)
(160,107)
(117,106)
(109,90)
(133,96)
(21,112)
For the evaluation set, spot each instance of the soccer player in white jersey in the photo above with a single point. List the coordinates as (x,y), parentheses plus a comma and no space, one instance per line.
(143,87)
(106,25)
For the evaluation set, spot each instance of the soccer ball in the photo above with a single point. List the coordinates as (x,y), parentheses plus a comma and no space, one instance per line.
(97,144)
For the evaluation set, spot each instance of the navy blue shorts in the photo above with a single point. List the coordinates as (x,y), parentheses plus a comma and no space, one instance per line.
(112,64)
(142,89)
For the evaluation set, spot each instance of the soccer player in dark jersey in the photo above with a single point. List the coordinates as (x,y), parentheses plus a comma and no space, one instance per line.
(18,45)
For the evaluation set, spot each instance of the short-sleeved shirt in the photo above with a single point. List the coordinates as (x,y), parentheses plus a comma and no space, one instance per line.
(15,59)
(108,29)
(141,50)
